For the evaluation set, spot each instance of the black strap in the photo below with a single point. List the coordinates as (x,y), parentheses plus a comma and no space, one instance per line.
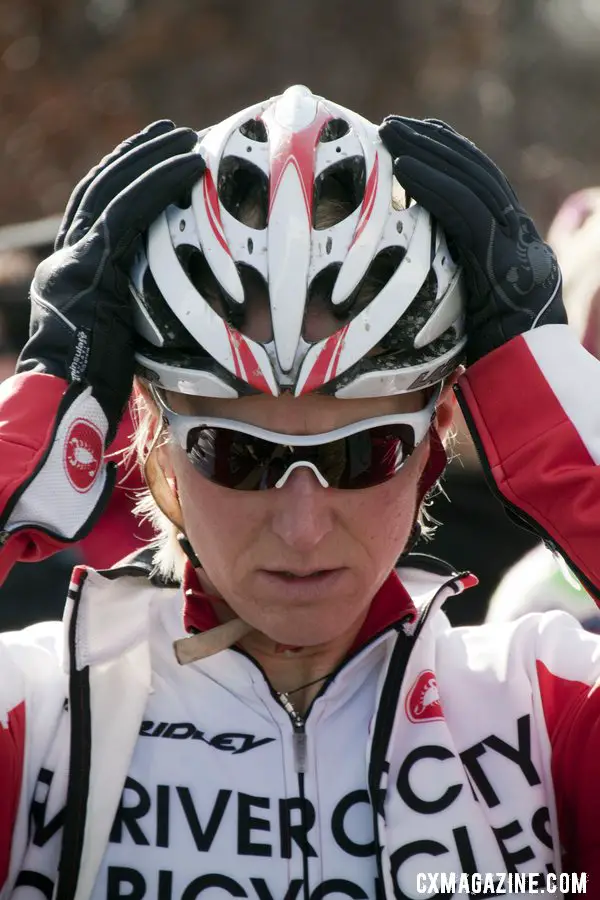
(382,729)
(79,765)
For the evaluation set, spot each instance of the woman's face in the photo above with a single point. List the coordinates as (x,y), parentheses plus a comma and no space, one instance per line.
(300,563)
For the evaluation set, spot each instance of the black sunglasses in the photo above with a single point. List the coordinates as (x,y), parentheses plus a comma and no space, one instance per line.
(245,457)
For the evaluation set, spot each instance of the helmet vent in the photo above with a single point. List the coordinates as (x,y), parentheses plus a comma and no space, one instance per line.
(382,268)
(174,334)
(255,130)
(338,191)
(244,190)
(333,130)
(321,318)
(194,264)
(402,335)
(255,319)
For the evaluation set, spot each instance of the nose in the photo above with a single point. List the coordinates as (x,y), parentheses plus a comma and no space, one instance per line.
(303,513)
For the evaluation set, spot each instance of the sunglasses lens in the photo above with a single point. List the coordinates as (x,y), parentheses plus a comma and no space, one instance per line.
(236,460)
(366,458)
(239,461)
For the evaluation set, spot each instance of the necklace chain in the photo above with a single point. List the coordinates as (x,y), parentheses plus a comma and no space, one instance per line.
(302,686)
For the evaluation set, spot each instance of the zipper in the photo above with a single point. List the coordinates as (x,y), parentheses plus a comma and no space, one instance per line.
(299,746)
(383,724)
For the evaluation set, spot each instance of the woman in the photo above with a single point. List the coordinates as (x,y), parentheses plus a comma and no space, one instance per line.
(285,722)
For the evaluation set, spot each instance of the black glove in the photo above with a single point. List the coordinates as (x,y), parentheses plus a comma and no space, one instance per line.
(513,278)
(52,439)
(81,317)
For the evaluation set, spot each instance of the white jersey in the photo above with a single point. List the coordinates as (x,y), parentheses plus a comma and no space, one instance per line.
(431,749)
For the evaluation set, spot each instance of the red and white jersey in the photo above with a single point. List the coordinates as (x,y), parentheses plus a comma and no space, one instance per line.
(431,749)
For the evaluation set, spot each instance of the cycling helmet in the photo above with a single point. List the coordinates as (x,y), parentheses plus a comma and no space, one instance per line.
(297,213)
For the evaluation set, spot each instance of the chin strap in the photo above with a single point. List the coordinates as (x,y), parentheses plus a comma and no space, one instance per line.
(188,550)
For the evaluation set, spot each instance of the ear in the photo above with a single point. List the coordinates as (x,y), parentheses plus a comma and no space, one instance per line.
(160,479)
(159,473)
(446,405)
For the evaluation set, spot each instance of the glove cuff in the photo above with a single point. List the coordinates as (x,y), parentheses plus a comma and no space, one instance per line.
(70,485)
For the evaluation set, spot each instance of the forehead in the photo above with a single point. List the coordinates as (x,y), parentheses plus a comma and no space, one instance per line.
(309,414)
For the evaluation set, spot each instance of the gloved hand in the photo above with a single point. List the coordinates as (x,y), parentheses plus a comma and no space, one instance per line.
(75,374)
(81,318)
(513,279)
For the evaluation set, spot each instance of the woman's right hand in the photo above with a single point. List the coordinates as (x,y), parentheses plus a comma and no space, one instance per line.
(81,328)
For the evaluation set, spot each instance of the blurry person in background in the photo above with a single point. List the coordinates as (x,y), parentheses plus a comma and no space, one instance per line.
(40,590)
(541,581)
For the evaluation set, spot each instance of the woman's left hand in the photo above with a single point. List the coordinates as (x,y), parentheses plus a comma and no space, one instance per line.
(513,278)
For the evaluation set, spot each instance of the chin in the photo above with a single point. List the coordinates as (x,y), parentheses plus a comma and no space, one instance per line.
(301,618)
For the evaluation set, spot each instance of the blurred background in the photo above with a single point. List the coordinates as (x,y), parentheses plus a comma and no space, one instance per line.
(520,77)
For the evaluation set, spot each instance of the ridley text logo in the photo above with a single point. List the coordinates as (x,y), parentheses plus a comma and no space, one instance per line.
(423,699)
(230,741)
(83,454)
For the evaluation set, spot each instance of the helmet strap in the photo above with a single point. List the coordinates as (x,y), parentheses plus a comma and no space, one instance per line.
(188,550)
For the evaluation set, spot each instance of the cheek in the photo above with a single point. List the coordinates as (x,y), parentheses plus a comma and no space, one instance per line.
(219,523)
(382,517)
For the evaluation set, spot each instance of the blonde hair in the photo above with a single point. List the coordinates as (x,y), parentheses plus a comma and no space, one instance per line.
(151,432)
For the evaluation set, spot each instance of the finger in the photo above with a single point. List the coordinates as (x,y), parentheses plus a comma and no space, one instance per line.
(156,129)
(442,133)
(136,207)
(441,124)
(123,171)
(493,205)
(463,145)
(457,209)
(474,175)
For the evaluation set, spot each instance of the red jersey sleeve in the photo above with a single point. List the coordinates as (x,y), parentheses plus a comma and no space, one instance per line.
(533,408)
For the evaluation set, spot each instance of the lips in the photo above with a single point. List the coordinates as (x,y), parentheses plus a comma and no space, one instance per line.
(303,584)
(295,574)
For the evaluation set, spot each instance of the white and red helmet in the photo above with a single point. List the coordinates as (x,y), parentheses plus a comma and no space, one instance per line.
(202,260)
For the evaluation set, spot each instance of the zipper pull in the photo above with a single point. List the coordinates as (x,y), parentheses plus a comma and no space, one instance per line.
(298,734)
(300,750)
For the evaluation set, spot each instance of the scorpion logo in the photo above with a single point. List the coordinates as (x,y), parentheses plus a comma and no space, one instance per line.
(82,455)
(423,699)
(536,261)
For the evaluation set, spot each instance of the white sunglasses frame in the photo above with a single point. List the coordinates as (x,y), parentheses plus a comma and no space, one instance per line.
(180,426)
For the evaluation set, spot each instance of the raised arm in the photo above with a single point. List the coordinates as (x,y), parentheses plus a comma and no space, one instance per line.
(531,393)
(74,375)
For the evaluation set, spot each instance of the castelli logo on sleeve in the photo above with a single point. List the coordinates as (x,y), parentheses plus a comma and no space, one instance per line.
(423,699)
(83,454)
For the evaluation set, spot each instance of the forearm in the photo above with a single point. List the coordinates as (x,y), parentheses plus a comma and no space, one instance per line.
(533,407)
